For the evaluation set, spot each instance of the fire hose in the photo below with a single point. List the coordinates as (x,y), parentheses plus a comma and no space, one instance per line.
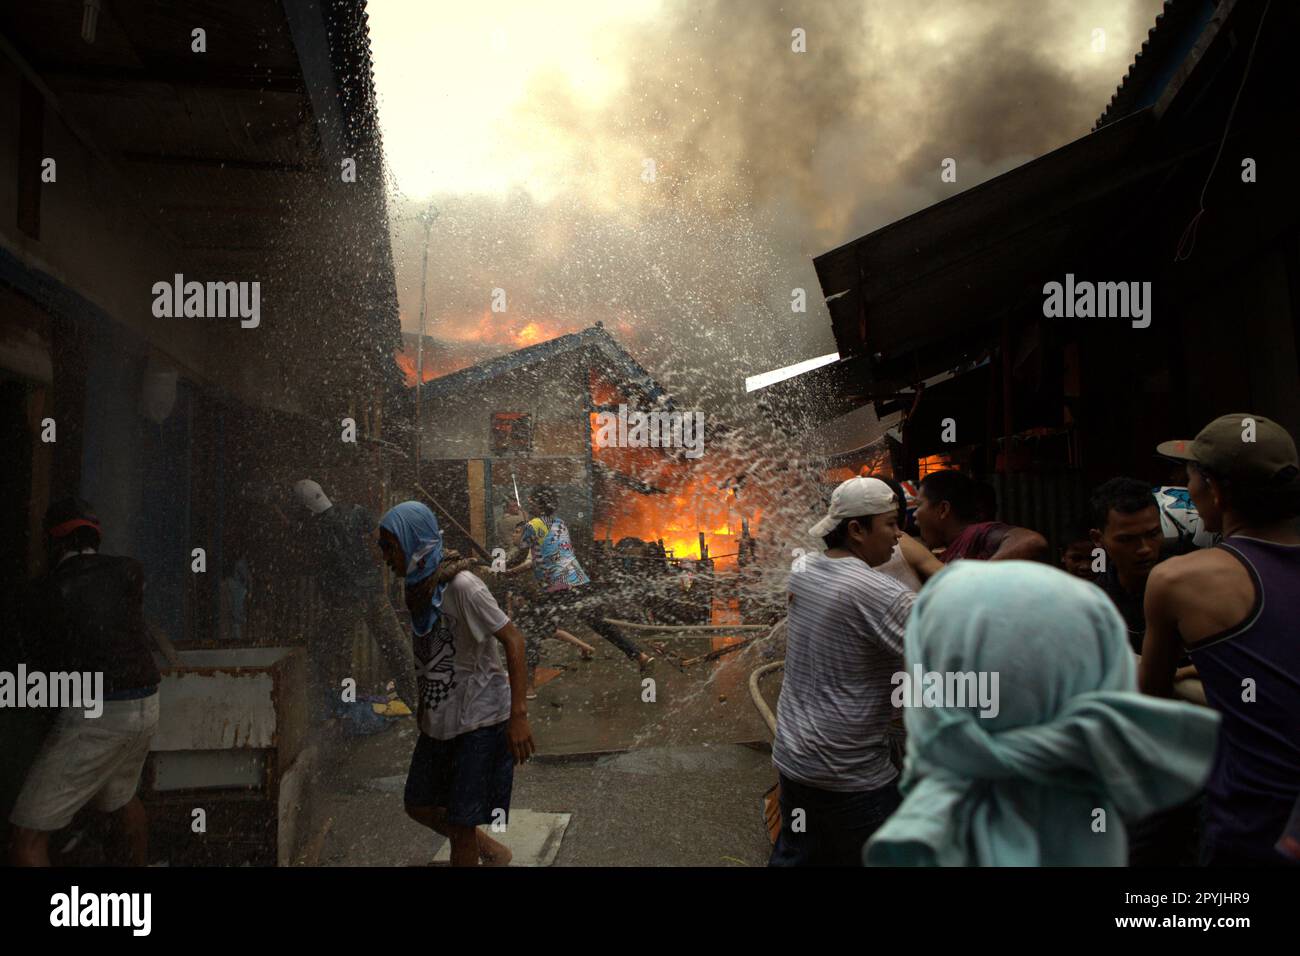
(755,692)
(755,676)
(679,628)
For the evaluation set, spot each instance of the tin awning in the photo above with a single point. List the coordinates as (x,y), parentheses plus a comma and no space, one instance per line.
(924,294)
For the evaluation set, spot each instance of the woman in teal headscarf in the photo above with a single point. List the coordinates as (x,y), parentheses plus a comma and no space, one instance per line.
(1073,747)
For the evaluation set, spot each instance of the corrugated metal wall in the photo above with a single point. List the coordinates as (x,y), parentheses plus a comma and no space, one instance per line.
(1046,503)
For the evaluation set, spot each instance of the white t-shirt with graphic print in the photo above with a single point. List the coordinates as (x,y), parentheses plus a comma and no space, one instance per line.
(464,684)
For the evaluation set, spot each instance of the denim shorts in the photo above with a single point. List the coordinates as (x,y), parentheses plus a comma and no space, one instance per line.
(471,775)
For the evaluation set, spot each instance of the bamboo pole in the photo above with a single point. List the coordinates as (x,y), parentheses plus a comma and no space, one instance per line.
(482,552)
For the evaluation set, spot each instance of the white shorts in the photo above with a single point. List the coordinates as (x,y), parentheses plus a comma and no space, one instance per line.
(87,761)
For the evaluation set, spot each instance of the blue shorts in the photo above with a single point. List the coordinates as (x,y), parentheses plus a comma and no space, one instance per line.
(470,775)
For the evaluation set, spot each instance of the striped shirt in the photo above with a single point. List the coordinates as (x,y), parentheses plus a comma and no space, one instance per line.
(844,643)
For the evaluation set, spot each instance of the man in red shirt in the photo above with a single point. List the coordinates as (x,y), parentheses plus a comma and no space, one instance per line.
(947,506)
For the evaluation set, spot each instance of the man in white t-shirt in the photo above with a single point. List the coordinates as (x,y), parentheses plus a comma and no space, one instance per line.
(844,644)
(472,710)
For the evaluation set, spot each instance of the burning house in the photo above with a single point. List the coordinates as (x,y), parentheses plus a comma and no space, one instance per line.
(145,148)
(555,414)
(521,420)
(945,322)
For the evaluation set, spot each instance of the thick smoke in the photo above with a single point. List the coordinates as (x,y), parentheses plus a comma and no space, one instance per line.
(763,158)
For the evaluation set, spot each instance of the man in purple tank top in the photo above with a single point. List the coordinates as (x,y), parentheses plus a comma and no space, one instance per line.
(1235,609)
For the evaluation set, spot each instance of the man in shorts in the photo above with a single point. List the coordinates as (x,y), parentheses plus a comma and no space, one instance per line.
(87,615)
(472,711)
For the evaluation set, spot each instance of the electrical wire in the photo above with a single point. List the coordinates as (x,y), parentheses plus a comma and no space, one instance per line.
(1188,240)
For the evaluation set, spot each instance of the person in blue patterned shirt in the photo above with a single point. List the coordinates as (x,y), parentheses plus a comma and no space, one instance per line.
(566,591)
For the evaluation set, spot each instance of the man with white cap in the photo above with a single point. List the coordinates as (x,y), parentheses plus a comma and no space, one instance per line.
(351,589)
(844,644)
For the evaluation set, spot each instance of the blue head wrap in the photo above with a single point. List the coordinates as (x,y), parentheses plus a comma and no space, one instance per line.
(1071,736)
(416,529)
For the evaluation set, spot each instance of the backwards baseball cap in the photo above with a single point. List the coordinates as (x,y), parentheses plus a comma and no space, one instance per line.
(312,496)
(856,498)
(1239,447)
(67,515)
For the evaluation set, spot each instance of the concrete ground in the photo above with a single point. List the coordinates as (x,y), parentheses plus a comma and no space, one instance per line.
(605,705)
(673,781)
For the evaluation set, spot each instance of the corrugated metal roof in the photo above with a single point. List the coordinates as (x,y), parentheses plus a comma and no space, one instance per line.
(347,24)
(1169,40)
(616,358)
(940,276)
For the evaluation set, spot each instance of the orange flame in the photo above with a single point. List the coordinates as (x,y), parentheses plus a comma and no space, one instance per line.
(455,343)
(694,498)
(491,328)
(406,363)
(930,463)
(450,347)
(691,504)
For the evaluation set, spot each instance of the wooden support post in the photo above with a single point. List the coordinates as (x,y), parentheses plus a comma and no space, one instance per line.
(477,504)
(490,508)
